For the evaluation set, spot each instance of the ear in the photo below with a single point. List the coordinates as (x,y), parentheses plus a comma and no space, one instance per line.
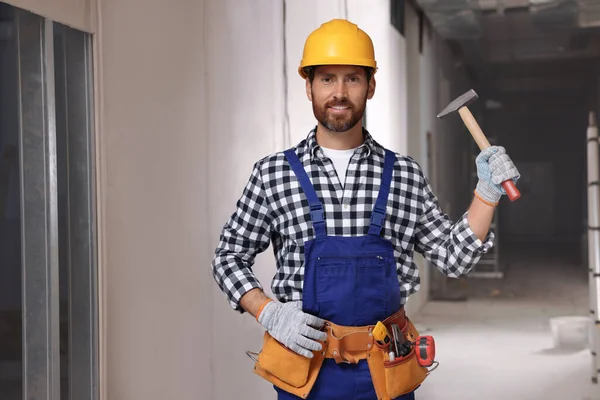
(308,89)
(371,90)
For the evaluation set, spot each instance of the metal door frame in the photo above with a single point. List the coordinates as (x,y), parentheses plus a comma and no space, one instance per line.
(39,223)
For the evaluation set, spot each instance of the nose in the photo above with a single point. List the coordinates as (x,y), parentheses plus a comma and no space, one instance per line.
(340,90)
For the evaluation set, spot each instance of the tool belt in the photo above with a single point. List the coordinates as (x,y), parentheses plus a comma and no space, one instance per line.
(297,374)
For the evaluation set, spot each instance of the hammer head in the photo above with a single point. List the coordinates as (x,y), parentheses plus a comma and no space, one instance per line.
(461,101)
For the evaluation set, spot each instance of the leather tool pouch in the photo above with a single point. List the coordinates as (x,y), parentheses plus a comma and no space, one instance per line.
(286,369)
(395,378)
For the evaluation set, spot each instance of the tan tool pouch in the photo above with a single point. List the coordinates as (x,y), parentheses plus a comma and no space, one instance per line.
(286,369)
(392,379)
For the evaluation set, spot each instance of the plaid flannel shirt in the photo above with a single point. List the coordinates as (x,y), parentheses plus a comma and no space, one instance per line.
(273,209)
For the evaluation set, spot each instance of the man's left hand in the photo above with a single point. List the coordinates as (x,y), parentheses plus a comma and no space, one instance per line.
(494,166)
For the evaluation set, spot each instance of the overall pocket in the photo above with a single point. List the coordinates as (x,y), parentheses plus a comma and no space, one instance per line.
(403,375)
(344,284)
(287,369)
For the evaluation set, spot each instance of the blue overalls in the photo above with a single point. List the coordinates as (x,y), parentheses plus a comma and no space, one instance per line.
(349,281)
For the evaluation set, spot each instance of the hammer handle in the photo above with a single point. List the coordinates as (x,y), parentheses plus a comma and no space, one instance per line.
(473,127)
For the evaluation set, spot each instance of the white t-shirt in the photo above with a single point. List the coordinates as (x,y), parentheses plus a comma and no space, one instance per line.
(340,159)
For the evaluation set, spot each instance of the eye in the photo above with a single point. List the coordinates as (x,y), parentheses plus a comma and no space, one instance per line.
(326,79)
(354,79)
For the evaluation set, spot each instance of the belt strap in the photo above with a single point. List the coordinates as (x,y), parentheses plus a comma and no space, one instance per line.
(349,344)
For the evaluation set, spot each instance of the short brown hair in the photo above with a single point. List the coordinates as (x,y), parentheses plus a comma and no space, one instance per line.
(310,72)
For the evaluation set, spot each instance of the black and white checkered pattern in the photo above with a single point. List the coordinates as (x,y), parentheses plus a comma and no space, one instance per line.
(273,208)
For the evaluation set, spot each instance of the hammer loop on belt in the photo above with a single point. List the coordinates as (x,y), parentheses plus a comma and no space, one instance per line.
(348,347)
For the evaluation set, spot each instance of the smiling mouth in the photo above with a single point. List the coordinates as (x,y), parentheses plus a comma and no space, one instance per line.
(339,108)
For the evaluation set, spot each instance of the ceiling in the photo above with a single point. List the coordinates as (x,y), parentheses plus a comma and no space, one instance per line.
(521,43)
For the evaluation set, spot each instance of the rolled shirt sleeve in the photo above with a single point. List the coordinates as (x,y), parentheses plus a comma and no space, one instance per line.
(451,246)
(245,235)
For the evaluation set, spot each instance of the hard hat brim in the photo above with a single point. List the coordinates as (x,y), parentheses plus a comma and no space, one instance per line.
(356,63)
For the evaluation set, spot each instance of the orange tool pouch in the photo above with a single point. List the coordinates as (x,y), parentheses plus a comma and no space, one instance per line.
(297,374)
(287,369)
(403,375)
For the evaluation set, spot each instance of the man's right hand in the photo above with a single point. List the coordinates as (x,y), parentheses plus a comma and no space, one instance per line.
(292,327)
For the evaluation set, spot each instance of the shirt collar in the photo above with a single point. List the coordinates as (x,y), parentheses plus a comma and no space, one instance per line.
(315,151)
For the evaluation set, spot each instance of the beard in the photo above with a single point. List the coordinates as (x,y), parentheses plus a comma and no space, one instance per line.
(339,123)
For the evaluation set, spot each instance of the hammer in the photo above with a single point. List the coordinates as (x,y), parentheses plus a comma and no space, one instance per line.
(460,104)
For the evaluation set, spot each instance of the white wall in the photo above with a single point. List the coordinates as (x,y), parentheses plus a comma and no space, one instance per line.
(413,86)
(387,111)
(303,17)
(245,122)
(428,103)
(152,139)
(415,79)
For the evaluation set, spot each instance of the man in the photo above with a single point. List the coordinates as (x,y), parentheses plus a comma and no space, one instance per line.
(345,216)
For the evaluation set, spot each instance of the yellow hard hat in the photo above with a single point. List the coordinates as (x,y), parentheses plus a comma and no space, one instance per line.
(338,42)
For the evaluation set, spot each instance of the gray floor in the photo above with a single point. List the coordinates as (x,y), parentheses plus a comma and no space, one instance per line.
(498,344)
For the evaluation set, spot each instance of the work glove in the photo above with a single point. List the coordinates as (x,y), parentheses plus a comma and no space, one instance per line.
(292,327)
(494,166)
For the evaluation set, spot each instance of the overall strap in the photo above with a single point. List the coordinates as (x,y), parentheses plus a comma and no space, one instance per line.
(316,209)
(378,214)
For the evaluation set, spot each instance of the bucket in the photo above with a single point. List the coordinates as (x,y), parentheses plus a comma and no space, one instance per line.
(571,332)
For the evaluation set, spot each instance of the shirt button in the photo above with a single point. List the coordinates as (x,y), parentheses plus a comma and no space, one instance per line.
(346,206)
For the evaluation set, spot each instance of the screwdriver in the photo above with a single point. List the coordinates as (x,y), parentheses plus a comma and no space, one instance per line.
(403,347)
